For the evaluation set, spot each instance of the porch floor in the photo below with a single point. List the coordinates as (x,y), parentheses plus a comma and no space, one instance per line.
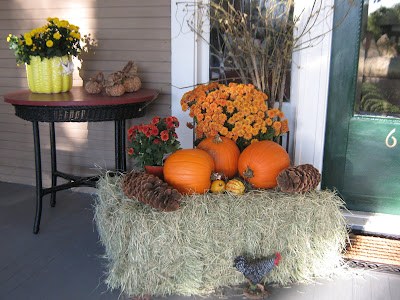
(64,260)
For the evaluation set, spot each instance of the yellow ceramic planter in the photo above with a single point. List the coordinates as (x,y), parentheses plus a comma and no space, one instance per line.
(50,76)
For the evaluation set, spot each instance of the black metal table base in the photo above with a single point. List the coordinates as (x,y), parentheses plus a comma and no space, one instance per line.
(74,181)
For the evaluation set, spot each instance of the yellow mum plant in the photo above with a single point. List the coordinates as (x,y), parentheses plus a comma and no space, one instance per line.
(237,111)
(56,38)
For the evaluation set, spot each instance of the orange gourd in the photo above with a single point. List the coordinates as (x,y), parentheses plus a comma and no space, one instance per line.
(224,152)
(260,163)
(189,171)
(218,187)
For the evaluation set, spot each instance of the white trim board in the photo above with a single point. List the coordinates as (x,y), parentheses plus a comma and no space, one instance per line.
(374,223)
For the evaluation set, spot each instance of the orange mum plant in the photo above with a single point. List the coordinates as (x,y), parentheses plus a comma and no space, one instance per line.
(237,111)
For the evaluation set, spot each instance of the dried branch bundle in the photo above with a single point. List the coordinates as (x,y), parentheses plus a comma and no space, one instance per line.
(257,38)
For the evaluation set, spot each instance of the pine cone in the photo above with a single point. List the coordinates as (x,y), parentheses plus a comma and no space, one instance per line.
(151,190)
(299,179)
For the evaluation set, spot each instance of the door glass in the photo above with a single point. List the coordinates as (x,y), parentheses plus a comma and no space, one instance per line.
(378,82)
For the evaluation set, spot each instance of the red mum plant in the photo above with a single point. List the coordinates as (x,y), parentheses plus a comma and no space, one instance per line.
(150,143)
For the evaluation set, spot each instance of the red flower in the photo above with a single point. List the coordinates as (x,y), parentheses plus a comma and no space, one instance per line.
(164,135)
(154,130)
(130,152)
(174,135)
(155,120)
(131,130)
(148,132)
(157,141)
(169,120)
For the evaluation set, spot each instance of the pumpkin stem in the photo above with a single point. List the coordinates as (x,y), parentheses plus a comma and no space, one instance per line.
(217,139)
(249,173)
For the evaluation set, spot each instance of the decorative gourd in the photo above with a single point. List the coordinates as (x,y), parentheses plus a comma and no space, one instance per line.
(218,186)
(235,186)
(189,171)
(224,152)
(261,162)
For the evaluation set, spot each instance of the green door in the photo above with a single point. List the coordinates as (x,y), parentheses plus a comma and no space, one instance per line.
(362,142)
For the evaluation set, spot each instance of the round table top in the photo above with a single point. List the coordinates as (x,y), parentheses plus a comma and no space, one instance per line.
(77,96)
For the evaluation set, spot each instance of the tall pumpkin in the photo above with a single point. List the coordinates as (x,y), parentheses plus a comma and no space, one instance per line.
(224,152)
(189,171)
(260,163)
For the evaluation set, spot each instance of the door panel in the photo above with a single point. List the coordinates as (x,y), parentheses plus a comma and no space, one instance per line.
(371,179)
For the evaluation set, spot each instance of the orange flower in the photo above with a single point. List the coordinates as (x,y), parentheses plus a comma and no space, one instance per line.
(254,141)
(255,131)
(261,114)
(269,122)
(277,125)
(248,135)
(264,107)
(271,113)
(253,109)
(224,131)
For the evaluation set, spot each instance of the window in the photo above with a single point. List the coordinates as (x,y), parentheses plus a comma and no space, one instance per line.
(378,85)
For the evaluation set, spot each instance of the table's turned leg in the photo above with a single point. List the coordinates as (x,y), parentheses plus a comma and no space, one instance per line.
(53,163)
(39,187)
(120,157)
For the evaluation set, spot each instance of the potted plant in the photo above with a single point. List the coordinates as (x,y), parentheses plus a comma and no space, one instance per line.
(150,144)
(236,111)
(46,51)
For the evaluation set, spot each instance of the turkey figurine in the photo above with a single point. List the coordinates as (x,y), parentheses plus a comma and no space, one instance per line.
(255,270)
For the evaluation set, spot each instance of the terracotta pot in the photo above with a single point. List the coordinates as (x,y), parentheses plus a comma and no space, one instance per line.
(155,170)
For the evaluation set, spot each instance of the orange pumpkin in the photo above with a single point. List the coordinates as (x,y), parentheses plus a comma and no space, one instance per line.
(261,162)
(224,152)
(189,170)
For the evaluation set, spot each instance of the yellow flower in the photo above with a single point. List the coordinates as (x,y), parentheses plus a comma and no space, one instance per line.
(63,23)
(49,43)
(57,36)
(33,32)
(28,41)
(27,35)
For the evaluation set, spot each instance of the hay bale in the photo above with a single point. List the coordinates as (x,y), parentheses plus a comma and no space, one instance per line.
(191,251)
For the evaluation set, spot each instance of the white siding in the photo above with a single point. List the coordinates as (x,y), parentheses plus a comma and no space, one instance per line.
(125,30)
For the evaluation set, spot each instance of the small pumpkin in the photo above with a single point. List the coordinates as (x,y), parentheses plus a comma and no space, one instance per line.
(260,163)
(189,171)
(218,186)
(235,186)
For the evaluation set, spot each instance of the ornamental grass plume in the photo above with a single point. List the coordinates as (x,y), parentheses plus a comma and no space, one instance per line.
(56,38)
(237,111)
(150,143)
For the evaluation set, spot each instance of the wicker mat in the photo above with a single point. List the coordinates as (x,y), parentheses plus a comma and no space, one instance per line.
(373,249)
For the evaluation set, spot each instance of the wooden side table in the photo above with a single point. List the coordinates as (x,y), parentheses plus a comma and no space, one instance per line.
(75,105)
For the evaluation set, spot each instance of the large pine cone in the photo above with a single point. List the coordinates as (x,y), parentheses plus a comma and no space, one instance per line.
(151,190)
(299,179)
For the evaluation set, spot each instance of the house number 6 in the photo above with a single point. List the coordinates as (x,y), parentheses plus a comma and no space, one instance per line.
(394,140)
